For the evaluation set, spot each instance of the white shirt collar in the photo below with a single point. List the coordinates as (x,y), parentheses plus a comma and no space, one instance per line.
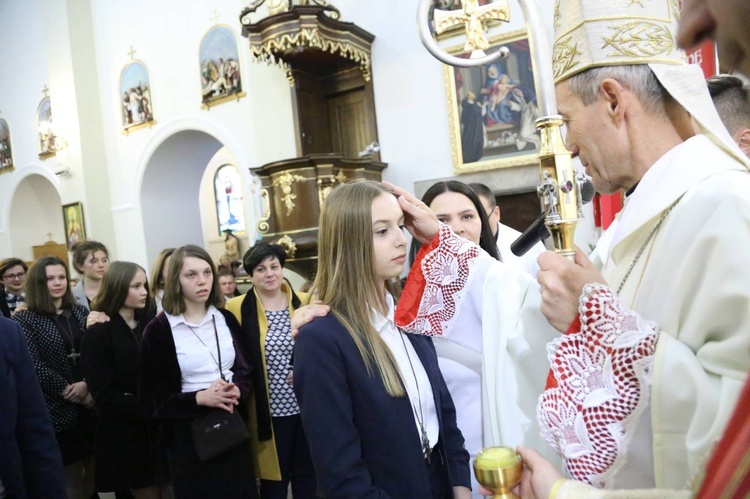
(377,319)
(175,320)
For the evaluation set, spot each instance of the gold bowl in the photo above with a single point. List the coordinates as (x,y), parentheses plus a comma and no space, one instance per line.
(499,469)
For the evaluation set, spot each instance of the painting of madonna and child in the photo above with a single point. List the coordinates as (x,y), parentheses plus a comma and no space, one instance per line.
(492,111)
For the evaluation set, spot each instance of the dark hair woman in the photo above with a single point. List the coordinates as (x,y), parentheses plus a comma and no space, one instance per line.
(193,364)
(54,326)
(90,259)
(127,455)
(378,416)
(457,205)
(12,280)
(265,313)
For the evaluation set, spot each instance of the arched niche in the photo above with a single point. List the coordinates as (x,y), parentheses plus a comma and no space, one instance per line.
(35,216)
(170,190)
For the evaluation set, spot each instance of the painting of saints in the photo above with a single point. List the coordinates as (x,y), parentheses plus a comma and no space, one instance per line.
(220,69)
(6,157)
(136,104)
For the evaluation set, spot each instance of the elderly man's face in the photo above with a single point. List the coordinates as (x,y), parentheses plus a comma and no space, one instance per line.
(592,138)
(725,21)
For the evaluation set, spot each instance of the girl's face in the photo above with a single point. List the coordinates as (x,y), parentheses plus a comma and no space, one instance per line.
(227,284)
(267,276)
(137,293)
(196,280)
(388,238)
(57,282)
(95,265)
(457,211)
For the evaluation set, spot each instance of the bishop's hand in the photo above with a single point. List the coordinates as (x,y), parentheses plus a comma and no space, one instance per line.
(420,221)
(562,283)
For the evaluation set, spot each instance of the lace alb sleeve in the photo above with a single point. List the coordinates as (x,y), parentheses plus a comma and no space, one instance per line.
(437,284)
(599,386)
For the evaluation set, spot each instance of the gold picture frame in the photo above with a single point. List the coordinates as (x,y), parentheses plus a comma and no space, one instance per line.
(75,229)
(494,129)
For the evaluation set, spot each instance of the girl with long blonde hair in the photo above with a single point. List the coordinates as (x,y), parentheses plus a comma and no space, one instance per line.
(377,413)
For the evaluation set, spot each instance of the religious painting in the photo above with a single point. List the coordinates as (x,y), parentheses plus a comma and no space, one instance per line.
(47,139)
(230,207)
(219,60)
(75,230)
(492,109)
(6,154)
(136,104)
(447,6)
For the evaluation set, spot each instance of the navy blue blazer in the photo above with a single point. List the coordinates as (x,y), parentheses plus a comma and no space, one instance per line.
(30,463)
(363,442)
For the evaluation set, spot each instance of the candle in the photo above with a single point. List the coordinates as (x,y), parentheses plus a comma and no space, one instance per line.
(493,458)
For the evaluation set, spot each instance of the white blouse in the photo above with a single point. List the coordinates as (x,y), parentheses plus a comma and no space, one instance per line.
(196,349)
(403,352)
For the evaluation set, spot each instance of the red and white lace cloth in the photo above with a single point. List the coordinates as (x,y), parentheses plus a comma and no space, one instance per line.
(437,284)
(598,387)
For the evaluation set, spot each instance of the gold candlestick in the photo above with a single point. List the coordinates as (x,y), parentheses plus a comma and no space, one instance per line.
(499,469)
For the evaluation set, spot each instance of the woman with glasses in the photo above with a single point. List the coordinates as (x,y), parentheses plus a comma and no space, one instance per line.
(13,278)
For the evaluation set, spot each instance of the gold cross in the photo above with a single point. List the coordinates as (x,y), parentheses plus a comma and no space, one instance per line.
(473,17)
(49,234)
(215,17)
(45,90)
(131,52)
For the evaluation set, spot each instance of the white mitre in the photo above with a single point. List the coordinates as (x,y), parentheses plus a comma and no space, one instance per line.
(596,33)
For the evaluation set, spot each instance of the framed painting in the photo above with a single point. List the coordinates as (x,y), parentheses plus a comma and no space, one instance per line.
(44,128)
(137,106)
(492,109)
(75,230)
(6,153)
(220,74)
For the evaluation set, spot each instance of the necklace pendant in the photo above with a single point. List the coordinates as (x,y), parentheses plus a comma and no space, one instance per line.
(73,356)
(426,444)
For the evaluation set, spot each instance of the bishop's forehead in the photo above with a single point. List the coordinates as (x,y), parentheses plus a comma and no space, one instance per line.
(593,33)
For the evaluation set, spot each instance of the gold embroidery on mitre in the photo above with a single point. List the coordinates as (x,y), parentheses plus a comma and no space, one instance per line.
(639,39)
(676,10)
(564,56)
(556,19)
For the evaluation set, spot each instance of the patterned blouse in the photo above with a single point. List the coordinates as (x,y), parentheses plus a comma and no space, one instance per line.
(279,348)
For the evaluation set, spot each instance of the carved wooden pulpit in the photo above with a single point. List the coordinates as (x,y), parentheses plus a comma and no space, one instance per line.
(327,64)
(293,191)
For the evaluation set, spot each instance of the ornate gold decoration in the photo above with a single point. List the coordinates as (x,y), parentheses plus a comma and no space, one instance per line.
(340,177)
(289,245)
(285,181)
(676,10)
(310,25)
(220,100)
(633,2)
(564,56)
(556,18)
(473,17)
(263,221)
(639,39)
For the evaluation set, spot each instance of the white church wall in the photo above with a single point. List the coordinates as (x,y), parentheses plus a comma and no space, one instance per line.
(35,216)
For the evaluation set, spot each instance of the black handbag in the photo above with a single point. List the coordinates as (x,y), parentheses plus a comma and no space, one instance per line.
(218,431)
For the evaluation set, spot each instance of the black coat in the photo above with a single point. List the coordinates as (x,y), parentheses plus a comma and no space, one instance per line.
(30,464)
(53,368)
(127,452)
(364,442)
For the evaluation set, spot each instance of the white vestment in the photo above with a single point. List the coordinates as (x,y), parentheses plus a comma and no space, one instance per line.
(691,284)
(505,237)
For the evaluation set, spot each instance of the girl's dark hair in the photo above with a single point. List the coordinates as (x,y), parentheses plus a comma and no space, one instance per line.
(38,297)
(255,255)
(173,302)
(81,251)
(9,263)
(115,288)
(486,241)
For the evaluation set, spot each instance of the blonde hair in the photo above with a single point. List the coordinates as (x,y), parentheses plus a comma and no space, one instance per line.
(157,281)
(347,280)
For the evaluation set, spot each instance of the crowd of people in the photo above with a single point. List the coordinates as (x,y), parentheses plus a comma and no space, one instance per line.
(625,369)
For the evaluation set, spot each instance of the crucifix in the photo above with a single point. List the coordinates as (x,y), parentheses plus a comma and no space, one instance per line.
(45,90)
(131,52)
(472,16)
(215,17)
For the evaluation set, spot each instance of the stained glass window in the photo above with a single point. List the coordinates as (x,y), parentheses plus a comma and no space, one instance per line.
(229,205)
